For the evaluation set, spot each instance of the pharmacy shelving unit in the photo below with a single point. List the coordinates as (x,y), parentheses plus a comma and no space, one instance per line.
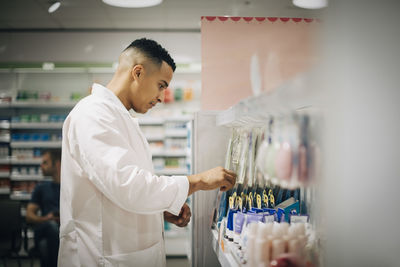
(176,239)
(211,134)
(62,74)
(4,157)
(57,126)
(18,109)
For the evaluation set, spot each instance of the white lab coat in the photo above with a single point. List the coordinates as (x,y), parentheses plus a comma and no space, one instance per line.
(111,202)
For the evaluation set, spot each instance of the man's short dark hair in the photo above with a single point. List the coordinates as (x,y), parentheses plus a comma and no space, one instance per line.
(55,154)
(153,51)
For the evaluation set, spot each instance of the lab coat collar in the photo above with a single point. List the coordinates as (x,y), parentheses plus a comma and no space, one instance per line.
(104,92)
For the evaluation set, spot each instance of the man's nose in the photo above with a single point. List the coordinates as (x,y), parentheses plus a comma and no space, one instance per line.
(161,97)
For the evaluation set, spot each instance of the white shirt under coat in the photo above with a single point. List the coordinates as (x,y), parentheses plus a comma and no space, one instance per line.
(111,203)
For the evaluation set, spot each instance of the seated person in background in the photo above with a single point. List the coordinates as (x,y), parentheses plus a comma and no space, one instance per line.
(46,197)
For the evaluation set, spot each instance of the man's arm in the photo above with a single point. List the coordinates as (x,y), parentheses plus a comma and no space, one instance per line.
(32,217)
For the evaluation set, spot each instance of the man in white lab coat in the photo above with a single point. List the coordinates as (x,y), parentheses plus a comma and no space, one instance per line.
(112,205)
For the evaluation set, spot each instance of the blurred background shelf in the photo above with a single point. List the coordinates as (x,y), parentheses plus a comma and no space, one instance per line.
(24,196)
(170,153)
(29,177)
(4,191)
(4,174)
(32,144)
(34,161)
(172,171)
(42,104)
(5,161)
(36,125)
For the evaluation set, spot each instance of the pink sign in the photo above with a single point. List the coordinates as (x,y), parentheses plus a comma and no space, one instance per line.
(242,56)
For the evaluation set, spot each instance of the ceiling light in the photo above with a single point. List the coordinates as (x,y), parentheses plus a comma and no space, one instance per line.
(54,7)
(310,4)
(132,3)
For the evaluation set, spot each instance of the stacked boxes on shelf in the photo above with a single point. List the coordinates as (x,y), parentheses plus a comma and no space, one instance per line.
(4,156)
(168,142)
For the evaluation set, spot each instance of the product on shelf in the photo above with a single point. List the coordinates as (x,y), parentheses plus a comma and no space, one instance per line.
(75,96)
(168,96)
(22,187)
(26,170)
(4,183)
(272,163)
(35,137)
(178,94)
(4,169)
(5,98)
(158,164)
(44,117)
(188,94)
(175,143)
(29,95)
(4,151)
(4,135)
(173,162)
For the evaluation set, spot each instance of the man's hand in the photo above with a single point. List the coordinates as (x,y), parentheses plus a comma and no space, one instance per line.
(51,217)
(182,220)
(212,179)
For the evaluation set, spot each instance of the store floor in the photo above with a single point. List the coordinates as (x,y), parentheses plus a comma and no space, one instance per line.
(171,262)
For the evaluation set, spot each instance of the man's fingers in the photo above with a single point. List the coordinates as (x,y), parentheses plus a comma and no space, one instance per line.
(228,182)
(231,173)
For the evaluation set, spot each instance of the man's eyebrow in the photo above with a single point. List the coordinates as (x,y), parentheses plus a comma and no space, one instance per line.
(165,83)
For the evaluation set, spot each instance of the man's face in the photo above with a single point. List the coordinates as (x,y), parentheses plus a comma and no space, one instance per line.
(152,87)
(48,168)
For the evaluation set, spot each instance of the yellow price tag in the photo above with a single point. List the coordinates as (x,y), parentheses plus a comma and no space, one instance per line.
(265,200)
(250,201)
(231,202)
(240,202)
(258,201)
(272,200)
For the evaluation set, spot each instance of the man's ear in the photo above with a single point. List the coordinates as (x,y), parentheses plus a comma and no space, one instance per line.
(137,70)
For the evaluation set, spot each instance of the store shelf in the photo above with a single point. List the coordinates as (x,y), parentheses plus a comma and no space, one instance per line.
(25,196)
(37,161)
(4,191)
(177,241)
(151,121)
(172,171)
(183,118)
(176,133)
(36,125)
(44,144)
(4,105)
(42,104)
(28,177)
(4,174)
(154,137)
(171,153)
(226,259)
(4,124)
(5,161)
(4,139)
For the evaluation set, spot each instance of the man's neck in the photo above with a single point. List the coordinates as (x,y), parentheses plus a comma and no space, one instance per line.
(117,85)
